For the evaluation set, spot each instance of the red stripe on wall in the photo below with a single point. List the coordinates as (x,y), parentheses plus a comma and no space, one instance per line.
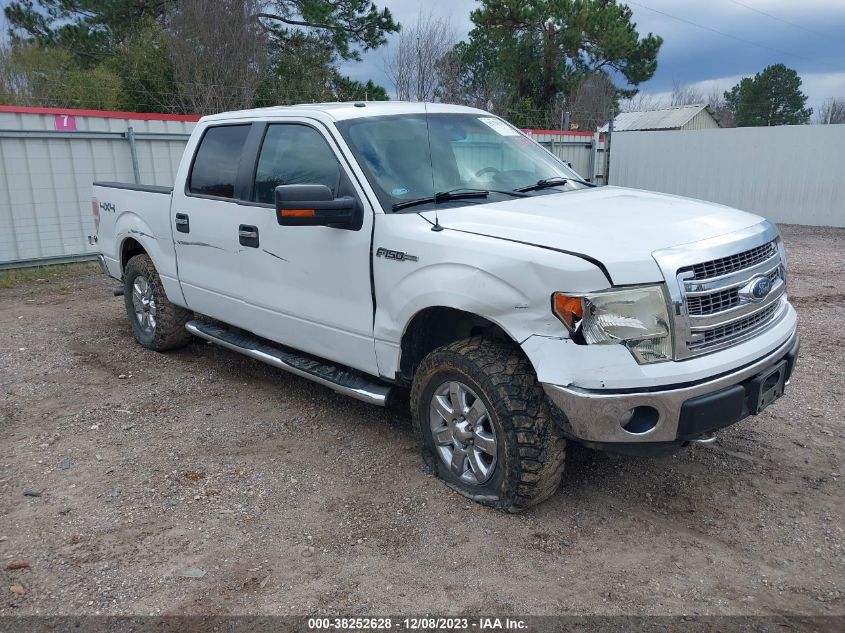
(103,114)
(558,132)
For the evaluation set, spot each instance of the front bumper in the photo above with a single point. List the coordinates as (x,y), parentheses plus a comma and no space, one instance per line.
(670,415)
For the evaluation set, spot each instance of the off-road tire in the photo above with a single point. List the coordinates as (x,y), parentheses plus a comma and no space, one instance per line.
(530,447)
(169,332)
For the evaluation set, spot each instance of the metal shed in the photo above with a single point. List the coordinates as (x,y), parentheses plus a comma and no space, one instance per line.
(691,117)
(48,159)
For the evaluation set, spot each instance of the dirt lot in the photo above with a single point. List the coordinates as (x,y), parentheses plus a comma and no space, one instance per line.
(126,472)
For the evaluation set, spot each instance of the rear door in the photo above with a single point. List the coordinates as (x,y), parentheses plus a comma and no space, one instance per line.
(206,218)
(309,287)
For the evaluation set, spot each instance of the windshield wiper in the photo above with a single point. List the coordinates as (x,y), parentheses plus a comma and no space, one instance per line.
(547,183)
(442,196)
(456,194)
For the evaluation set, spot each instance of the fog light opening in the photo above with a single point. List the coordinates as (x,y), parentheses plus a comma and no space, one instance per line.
(640,420)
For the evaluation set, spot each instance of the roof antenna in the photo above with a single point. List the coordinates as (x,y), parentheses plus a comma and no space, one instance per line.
(436,228)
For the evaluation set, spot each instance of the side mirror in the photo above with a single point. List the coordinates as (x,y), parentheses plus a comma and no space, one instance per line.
(314,205)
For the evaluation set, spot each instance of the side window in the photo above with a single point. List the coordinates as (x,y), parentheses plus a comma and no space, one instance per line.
(215,166)
(294,155)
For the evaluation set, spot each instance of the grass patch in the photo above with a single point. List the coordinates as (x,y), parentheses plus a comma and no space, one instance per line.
(15,277)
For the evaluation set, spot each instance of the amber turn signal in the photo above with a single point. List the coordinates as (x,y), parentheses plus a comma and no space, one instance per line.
(297,213)
(568,309)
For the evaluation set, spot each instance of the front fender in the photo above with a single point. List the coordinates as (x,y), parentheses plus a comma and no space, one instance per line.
(507,283)
(461,287)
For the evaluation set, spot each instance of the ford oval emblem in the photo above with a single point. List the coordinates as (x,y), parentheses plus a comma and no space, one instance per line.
(757,289)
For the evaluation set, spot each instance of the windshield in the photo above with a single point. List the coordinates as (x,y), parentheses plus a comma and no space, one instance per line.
(413,156)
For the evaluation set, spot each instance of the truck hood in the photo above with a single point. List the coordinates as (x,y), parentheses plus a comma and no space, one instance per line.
(619,227)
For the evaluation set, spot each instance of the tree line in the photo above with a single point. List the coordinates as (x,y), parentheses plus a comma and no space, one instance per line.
(538,63)
(187,56)
(542,64)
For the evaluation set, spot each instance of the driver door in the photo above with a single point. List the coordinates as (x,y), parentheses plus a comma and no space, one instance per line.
(309,287)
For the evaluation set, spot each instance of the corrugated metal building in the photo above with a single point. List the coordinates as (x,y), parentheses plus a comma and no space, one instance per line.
(691,117)
(788,173)
(48,160)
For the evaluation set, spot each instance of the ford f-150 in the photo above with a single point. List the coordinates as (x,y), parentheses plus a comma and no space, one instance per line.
(393,248)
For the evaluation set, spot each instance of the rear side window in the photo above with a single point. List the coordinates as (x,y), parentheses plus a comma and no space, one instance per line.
(215,167)
(294,155)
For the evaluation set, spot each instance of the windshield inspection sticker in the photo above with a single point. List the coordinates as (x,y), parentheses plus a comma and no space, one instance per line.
(498,126)
(400,191)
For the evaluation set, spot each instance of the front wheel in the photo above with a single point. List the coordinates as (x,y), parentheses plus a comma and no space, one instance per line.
(484,425)
(156,323)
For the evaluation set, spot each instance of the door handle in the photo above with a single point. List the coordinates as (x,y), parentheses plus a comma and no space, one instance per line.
(183,224)
(248,235)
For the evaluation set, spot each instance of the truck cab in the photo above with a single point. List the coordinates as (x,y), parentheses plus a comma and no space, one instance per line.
(385,249)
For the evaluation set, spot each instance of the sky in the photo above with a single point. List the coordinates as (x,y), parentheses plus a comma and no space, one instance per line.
(707,43)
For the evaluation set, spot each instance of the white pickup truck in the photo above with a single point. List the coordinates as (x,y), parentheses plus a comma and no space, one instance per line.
(381,248)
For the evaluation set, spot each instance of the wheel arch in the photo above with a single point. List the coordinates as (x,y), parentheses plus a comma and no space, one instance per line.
(130,247)
(436,326)
(134,242)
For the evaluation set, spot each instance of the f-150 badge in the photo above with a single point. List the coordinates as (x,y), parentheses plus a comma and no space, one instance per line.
(399,256)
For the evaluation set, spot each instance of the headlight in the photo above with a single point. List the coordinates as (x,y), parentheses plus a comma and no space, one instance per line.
(635,317)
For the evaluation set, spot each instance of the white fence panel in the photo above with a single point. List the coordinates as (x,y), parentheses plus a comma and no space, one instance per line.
(583,151)
(48,160)
(791,174)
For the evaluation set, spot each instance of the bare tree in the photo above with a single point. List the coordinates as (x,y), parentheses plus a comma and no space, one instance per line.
(640,102)
(685,94)
(448,71)
(717,103)
(832,111)
(419,49)
(590,104)
(9,79)
(464,79)
(219,51)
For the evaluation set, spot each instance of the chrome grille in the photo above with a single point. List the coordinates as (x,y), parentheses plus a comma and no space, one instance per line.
(740,327)
(716,302)
(731,263)
(710,285)
(720,300)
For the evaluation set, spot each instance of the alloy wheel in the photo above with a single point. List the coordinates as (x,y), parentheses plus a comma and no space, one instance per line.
(463,432)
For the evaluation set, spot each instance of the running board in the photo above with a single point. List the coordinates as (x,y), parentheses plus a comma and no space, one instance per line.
(340,379)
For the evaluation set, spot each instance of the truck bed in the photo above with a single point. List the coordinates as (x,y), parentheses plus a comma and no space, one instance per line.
(130,214)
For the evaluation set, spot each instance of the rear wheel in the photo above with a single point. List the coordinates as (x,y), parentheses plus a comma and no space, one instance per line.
(484,426)
(156,323)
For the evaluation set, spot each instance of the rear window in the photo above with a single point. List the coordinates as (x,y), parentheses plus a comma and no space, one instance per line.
(215,167)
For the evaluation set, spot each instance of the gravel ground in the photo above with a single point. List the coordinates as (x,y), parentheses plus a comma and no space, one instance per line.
(202,482)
